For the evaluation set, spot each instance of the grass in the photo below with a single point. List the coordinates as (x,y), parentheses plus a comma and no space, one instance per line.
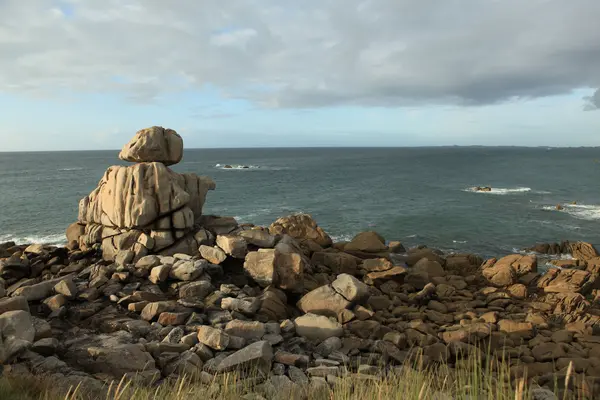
(471,379)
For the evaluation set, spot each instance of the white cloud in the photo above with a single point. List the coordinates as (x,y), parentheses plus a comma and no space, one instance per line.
(287,53)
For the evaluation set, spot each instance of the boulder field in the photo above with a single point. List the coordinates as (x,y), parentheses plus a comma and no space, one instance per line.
(150,289)
(274,300)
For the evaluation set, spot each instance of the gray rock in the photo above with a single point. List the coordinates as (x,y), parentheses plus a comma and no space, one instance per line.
(197,290)
(67,288)
(124,257)
(273,327)
(542,394)
(259,238)
(187,270)
(13,304)
(317,327)
(249,330)
(236,342)
(203,351)
(278,369)
(159,273)
(153,310)
(328,346)
(17,332)
(297,375)
(241,305)
(234,246)
(38,291)
(45,347)
(280,387)
(323,300)
(113,355)
(174,336)
(255,357)
(351,288)
(273,339)
(17,323)
(214,255)
(214,338)
(190,339)
(42,329)
(147,262)
(55,302)
(187,364)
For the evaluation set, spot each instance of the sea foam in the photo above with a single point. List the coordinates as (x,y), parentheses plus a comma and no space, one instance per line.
(500,191)
(54,239)
(580,211)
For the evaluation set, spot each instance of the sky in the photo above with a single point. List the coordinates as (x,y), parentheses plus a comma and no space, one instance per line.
(87,74)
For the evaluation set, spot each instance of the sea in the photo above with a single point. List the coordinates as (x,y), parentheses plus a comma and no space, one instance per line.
(414,195)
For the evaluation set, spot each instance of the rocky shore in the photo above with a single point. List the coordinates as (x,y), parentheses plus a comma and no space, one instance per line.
(150,289)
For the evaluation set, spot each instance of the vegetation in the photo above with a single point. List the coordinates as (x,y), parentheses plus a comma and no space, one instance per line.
(470,379)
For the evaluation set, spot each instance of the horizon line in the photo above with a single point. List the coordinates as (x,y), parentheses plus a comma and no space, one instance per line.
(321,147)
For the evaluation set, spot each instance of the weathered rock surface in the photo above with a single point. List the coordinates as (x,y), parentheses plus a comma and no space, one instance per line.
(317,327)
(255,357)
(145,208)
(301,227)
(324,300)
(368,242)
(279,267)
(154,144)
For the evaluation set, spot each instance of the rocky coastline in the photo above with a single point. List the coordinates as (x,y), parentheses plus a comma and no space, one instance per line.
(150,289)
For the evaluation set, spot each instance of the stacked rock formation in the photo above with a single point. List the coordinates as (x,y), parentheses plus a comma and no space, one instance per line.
(145,208)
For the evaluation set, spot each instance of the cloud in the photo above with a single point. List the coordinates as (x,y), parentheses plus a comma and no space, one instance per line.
(592,102)
(290,54)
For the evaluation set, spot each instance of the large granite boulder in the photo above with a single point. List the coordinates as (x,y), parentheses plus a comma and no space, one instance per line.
(557,280)
(505,271)
(583,250)
(17,334)
(301,227)
(154,144)
(368,242)
(111,355)
(144,208)
(282,267)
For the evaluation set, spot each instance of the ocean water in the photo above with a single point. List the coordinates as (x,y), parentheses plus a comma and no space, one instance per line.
(415,195)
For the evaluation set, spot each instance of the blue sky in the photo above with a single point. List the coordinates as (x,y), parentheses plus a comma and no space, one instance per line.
(88,74)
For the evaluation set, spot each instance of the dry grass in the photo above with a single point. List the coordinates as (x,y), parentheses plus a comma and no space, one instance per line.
(472,379)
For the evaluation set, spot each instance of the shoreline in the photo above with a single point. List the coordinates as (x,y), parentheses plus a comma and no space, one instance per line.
(60,240)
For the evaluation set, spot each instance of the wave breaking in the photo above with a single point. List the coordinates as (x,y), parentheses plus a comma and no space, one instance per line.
(580,211)
(498,191)
(53,239)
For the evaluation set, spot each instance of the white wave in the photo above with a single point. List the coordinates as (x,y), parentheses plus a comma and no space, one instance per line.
(580,211)
(499,191)
(524,252)
(71,169)
(245,218)
(459,241)
(412,236)
(55,239)
(342,238)
(236,166)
